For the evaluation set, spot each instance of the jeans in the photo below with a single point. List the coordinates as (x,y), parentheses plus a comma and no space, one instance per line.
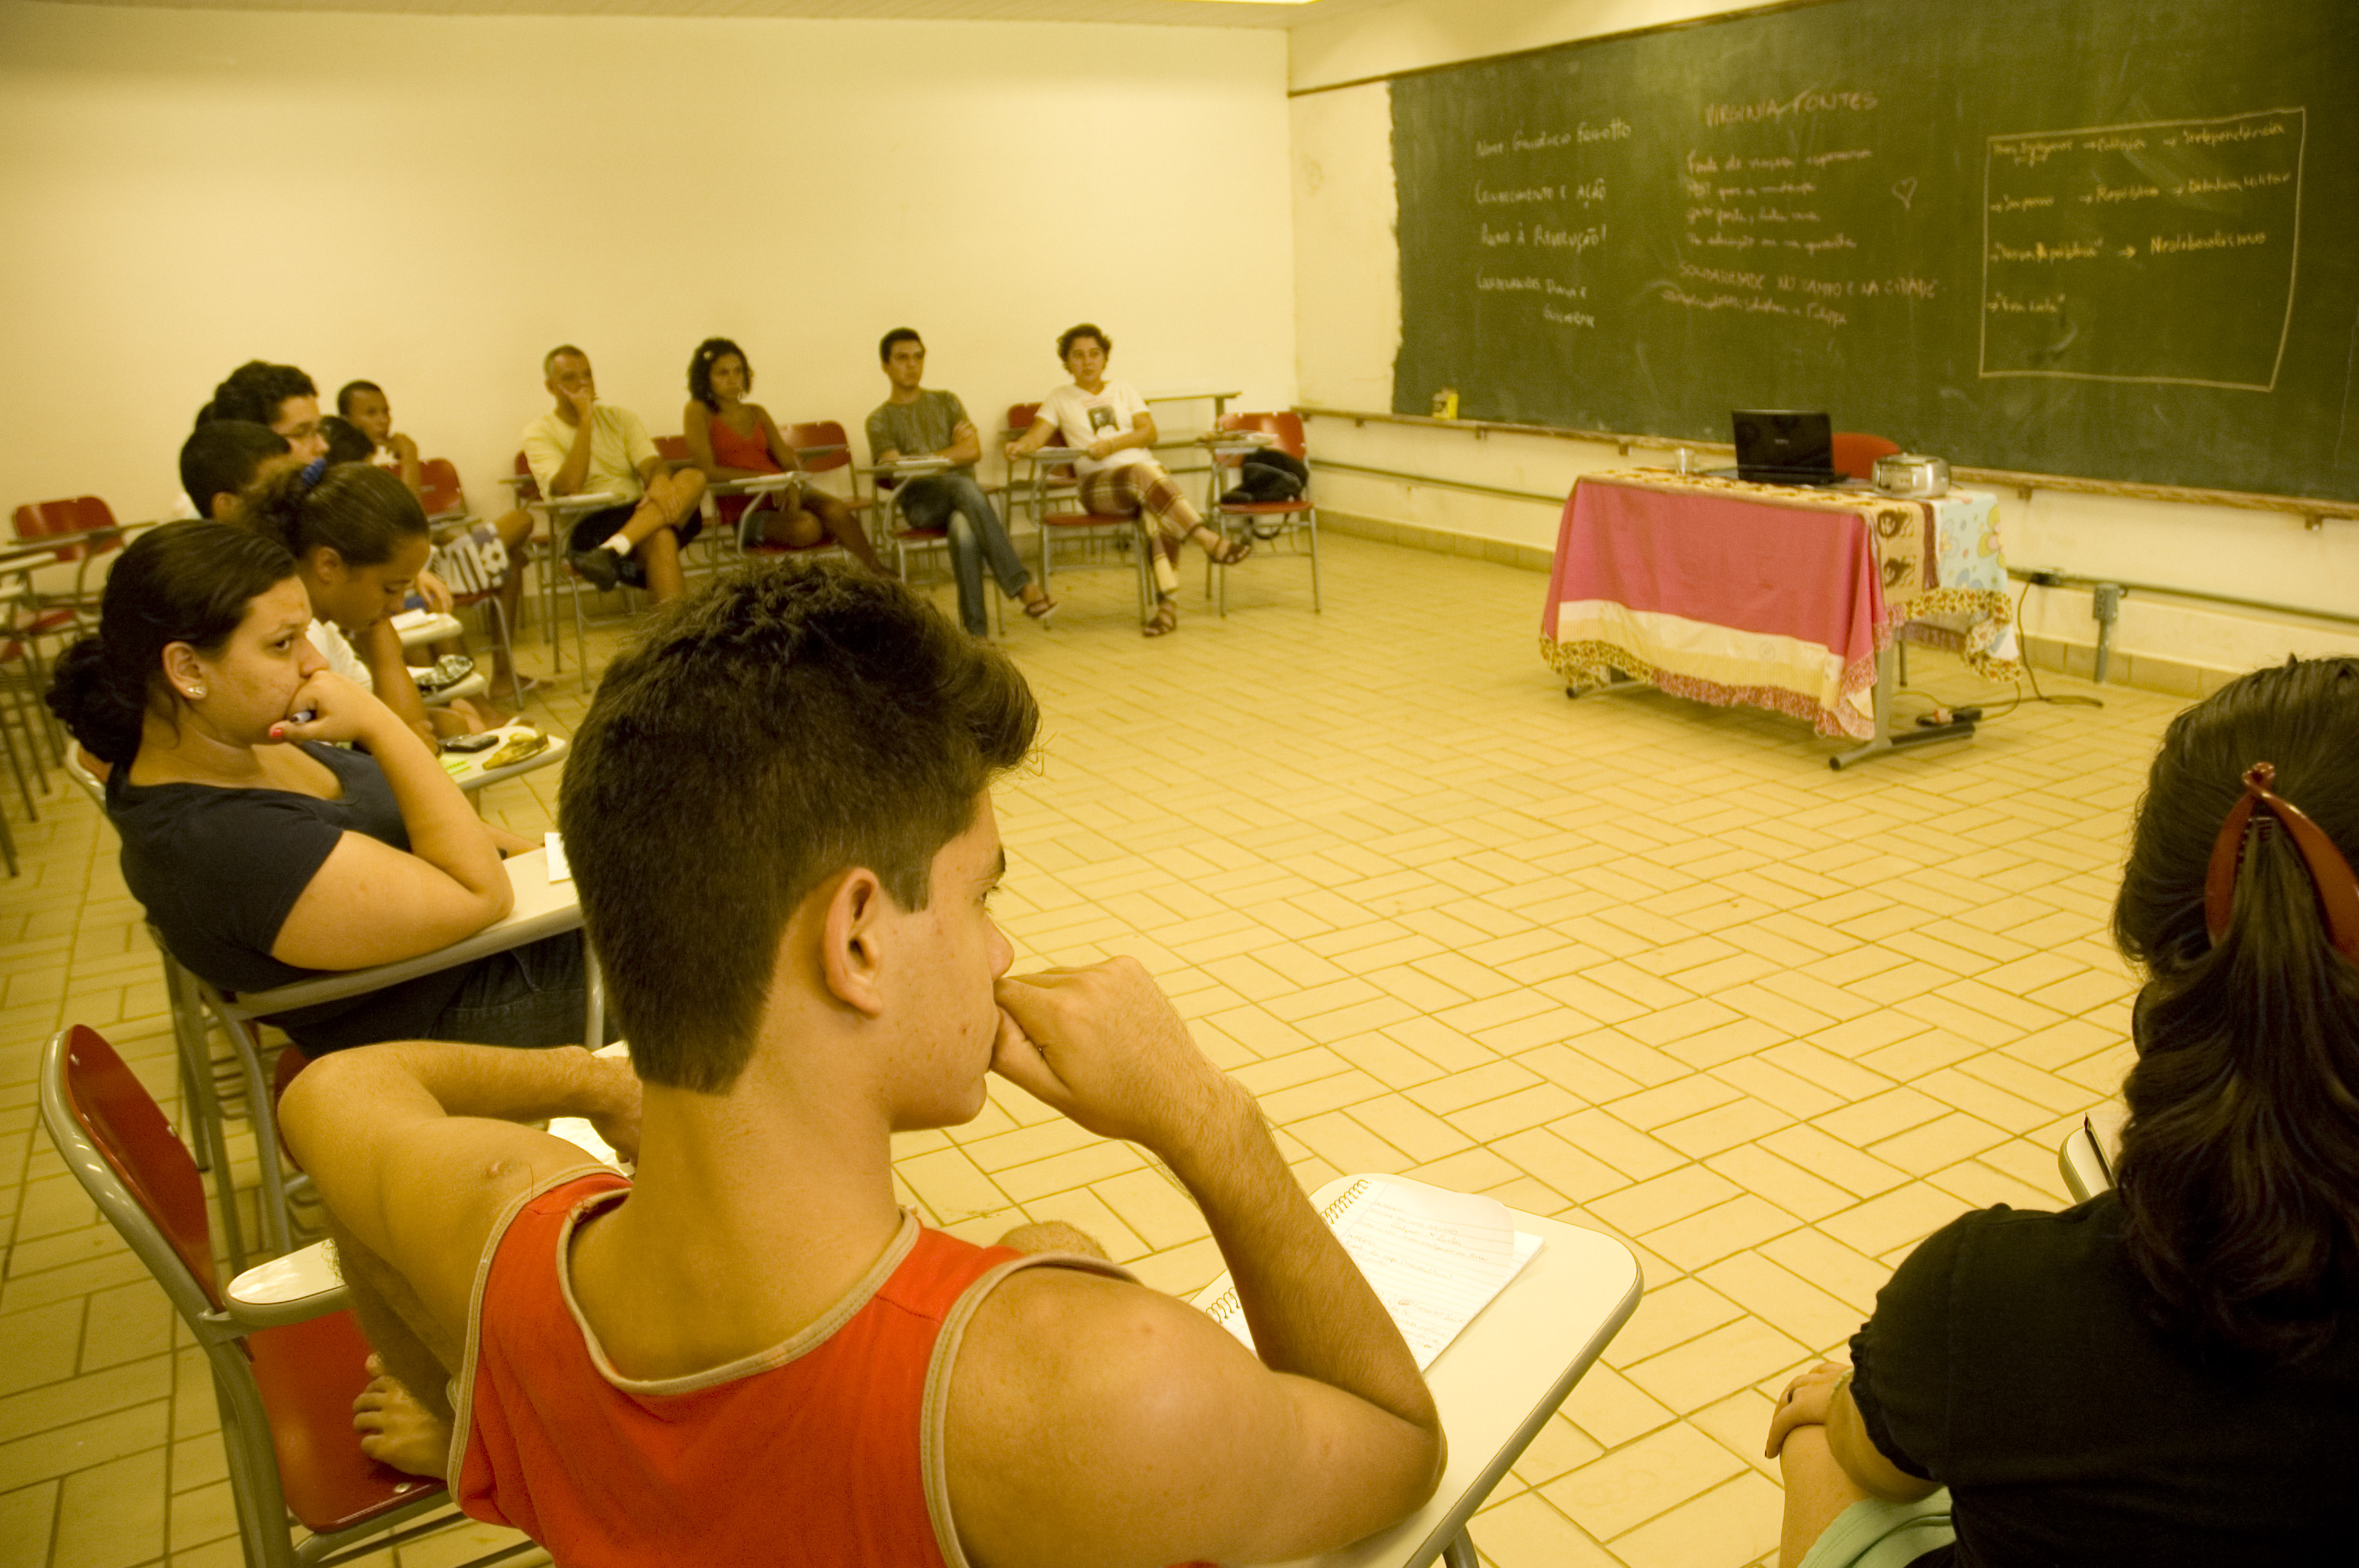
(976,534)
(531,995)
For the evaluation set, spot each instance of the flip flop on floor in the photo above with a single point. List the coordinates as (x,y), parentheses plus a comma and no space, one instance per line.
(1165,619)
(1232,551)
(1040,610)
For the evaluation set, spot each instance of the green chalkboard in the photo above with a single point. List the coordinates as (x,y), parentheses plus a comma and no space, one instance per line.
(2114,239)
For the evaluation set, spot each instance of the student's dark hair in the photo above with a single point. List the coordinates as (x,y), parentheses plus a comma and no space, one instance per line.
(548,361)
(221,458)
(847,724)
(349,391)
(2239,1175)
(182,582)
(710,353)
(253,391)
(897,335)
(1071,335)
(347,442)
(360,511)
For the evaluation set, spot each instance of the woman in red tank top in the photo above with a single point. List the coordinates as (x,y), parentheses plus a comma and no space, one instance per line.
(732,438)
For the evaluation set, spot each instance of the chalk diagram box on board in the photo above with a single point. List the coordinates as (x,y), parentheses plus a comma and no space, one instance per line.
(2161,251)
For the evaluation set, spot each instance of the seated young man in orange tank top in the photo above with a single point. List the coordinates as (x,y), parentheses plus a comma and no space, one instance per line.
(748,1352)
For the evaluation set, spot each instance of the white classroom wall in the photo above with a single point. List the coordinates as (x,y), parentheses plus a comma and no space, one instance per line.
(1348,325)
(432,201)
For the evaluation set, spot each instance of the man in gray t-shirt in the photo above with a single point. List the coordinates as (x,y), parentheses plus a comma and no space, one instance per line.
(916,423)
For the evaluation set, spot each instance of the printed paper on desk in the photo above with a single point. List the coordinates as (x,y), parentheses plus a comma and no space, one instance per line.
(558,871)
(1434,1258)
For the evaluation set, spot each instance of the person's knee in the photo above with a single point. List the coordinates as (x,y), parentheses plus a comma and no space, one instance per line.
(690,485)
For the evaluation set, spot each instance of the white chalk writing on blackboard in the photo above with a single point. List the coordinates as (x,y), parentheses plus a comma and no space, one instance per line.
(2092,234)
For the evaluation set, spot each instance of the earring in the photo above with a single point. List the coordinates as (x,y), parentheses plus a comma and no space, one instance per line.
(196,694)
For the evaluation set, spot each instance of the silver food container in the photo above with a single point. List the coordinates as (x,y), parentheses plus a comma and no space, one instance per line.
(1912,477)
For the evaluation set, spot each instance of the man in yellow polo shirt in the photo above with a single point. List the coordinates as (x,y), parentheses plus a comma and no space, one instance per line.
(583,447)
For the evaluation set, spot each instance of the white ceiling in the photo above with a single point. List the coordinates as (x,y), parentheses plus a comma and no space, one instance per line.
(1167,13)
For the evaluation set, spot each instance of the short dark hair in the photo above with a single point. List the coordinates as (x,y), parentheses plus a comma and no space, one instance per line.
(710,353)
(548,361)
(221,458)
(360,511)
(2240,1161)
(182,582)
(897,335)
(352,389)
(254,391)
(1071,335)
(347,442)
(845,721)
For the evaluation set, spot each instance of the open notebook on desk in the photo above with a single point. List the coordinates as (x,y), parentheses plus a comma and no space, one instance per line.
(1435,1258)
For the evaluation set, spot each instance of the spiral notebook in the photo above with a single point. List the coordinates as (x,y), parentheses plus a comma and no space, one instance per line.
(1435,1258)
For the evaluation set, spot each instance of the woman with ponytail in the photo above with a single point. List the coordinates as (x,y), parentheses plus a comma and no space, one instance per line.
(2167,1374)
(360,539)
(264,853)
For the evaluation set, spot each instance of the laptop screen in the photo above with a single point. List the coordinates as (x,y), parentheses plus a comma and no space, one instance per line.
(1783,443)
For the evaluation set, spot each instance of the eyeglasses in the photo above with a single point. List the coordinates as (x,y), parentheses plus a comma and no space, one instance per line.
(2337,889)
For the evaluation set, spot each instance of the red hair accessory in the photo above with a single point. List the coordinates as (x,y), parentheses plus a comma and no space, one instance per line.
(2337,889)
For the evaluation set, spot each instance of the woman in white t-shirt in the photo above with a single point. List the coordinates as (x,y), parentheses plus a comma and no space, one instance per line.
(1120,477)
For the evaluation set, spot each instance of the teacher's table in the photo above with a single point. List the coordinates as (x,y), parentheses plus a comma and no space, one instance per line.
(1783,597)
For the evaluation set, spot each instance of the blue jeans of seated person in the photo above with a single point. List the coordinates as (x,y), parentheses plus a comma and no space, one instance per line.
(531,996)
(977,534)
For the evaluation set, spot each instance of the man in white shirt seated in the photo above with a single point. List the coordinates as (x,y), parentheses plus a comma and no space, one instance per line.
(583,447)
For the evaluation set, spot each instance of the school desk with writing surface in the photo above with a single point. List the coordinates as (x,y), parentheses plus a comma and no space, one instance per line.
(1783,597)
(1500,1380)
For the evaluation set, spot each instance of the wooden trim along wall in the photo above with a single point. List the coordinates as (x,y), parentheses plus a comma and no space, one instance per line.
(2313,512)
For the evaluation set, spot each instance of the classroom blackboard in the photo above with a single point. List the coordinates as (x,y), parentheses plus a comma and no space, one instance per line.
(2112,239)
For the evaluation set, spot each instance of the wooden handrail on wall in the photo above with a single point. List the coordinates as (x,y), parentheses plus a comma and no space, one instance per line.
(2313,512)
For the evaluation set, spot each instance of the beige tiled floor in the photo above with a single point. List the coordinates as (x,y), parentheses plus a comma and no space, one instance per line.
(1628,960)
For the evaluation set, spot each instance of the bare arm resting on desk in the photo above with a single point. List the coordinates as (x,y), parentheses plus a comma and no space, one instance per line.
(1095,1422)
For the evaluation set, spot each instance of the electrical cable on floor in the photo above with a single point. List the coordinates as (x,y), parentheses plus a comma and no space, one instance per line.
(2069,699)
(1943,713)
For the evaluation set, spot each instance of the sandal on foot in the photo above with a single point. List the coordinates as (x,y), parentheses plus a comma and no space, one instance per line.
(1232,551)
(1040,610)
(1165,620)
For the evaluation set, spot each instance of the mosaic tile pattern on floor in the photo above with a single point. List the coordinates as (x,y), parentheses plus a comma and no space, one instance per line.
(1627,961)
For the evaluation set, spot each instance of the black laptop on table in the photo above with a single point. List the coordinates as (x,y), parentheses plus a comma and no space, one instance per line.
(1783,447)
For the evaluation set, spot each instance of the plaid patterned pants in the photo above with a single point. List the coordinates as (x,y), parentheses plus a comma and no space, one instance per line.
(1146,490)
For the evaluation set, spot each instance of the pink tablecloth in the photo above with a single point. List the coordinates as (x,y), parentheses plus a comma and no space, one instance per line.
(1729,592)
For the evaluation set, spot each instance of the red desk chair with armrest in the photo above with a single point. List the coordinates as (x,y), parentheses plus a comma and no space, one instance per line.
(1266,519)
(285,1373)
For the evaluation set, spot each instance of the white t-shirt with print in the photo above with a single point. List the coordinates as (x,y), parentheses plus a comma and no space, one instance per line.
(1085,416)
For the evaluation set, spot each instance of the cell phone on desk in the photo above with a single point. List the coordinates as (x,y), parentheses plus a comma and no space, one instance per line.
(482,742)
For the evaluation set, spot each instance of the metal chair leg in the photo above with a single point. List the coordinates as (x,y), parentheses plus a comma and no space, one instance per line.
(1460,1552)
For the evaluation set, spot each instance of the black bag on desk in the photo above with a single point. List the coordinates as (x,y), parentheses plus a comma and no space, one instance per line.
(1267,474)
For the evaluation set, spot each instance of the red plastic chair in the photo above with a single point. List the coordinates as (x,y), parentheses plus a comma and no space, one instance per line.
(1855,454)
(824,448)
(285,1375)
(1266,519)
(1045,485)
(439,494)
